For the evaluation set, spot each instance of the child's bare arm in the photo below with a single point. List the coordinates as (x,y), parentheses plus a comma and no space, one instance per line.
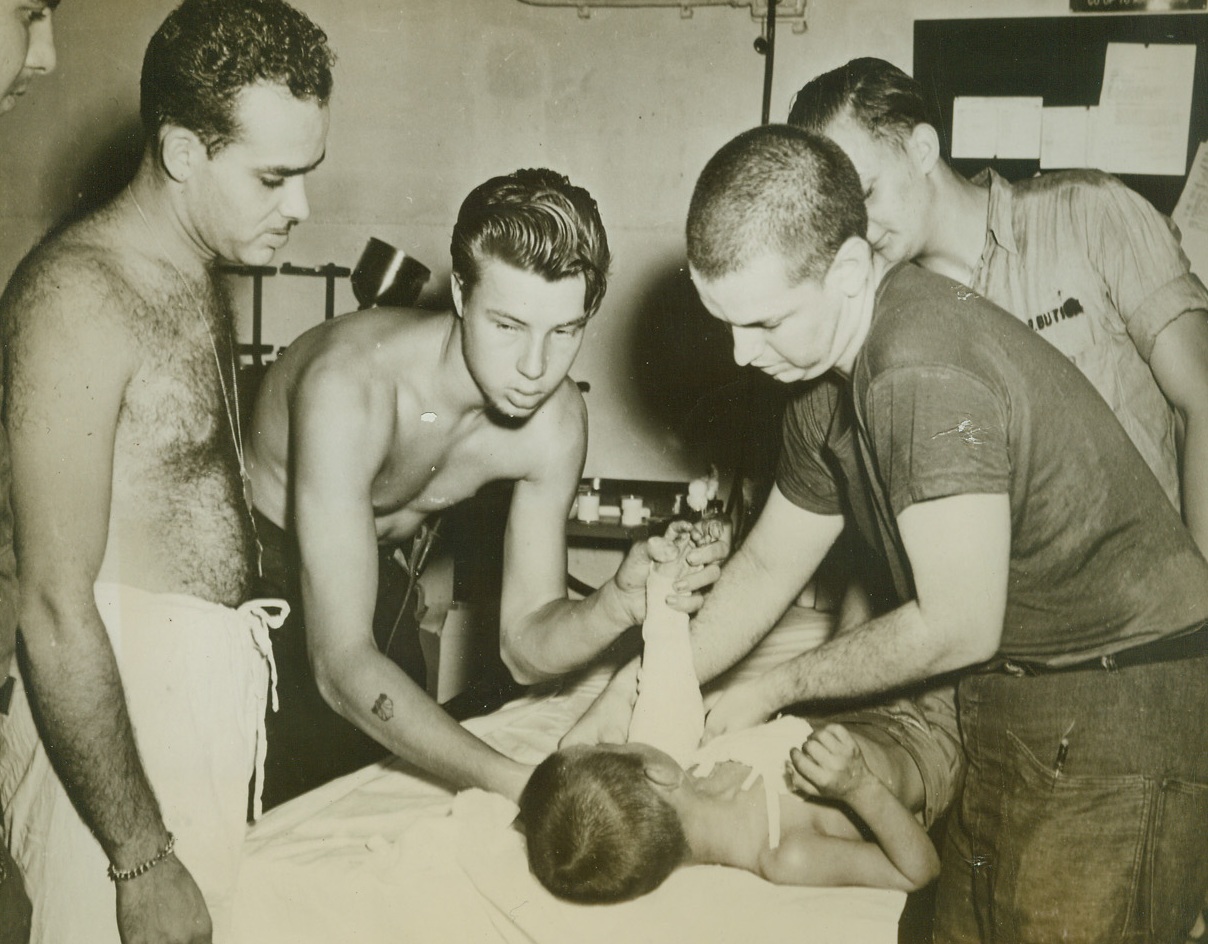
(830,764)
(805,857)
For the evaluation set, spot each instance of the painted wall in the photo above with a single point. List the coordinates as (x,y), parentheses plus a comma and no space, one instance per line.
(434,97)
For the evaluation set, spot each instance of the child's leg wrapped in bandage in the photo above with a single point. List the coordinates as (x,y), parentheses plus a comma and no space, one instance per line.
(669,713)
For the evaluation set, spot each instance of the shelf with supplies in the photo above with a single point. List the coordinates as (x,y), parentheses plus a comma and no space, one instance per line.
(657,503)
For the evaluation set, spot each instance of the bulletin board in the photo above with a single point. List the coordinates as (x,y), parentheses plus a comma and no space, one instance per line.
(1060,58)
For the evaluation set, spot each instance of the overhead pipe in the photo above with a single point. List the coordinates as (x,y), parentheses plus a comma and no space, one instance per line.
(766,45)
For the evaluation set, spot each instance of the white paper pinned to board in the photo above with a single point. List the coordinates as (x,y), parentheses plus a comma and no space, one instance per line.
(1004,126)
(1144,115)
(1065,136)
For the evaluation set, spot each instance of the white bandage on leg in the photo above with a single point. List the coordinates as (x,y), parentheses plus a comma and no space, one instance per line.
(669,713)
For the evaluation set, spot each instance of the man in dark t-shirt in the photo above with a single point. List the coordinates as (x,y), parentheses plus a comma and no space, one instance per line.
(1037,551)
(947,407)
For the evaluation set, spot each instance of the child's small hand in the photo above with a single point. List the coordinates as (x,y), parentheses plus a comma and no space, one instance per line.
(829,764)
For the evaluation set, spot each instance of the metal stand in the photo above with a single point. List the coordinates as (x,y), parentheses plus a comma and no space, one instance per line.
(257,349)
(329,272)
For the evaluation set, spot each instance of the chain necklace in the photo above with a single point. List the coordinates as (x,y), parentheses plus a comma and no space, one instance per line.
(232,411)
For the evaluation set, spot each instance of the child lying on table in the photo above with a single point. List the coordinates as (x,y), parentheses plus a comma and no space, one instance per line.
(611,822)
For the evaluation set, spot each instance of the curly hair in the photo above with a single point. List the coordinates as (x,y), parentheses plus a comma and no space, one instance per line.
(774,189)
(208,51)
(597,830)
(538,221)
(878,95)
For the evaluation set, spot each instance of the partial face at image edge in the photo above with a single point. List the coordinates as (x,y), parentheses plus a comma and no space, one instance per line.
(27,47)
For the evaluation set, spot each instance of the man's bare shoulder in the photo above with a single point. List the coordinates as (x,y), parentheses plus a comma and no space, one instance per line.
(71,277)
(564,412)
(376,347)
(556,434)
(355,369)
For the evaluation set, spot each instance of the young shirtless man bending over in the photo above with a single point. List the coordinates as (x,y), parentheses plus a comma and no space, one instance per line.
(372,422)
(132,532)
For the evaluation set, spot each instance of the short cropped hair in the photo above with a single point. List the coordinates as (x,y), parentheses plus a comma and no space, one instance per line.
(537,221)
(597,830)
(208,51)
(774,189)
(878,95)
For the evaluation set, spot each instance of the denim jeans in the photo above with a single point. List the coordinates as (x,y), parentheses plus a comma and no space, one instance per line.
(1085,810)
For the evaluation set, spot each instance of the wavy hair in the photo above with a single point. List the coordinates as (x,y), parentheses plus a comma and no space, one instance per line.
(535,220)
(208,51)
(882,98)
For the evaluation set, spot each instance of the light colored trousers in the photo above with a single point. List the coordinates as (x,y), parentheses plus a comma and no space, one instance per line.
(197,678)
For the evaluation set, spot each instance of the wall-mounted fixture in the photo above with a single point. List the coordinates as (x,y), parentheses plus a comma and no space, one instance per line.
(792,11)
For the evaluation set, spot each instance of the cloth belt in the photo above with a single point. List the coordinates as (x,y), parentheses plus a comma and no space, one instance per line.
(264,615)
(1167,649)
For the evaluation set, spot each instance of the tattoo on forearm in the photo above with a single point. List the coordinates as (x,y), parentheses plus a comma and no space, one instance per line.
(383,707)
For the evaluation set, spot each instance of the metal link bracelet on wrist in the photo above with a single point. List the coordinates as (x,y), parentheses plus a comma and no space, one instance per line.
(124,875)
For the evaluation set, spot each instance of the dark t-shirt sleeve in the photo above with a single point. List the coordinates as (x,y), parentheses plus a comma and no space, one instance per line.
(936,432)
(802,473)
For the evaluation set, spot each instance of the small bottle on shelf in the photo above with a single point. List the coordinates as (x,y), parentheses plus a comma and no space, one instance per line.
(589,503)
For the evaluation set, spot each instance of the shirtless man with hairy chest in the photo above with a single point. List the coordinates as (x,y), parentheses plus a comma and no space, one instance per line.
(145,670)
(177,522)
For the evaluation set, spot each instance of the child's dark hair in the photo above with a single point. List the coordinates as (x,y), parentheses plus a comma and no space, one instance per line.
(597,830)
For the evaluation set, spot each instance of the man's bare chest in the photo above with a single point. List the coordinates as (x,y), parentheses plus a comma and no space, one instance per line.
(182,396)
(176,404)
(429,473)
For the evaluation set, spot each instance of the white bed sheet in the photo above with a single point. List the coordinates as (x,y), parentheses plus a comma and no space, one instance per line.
(388,855)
